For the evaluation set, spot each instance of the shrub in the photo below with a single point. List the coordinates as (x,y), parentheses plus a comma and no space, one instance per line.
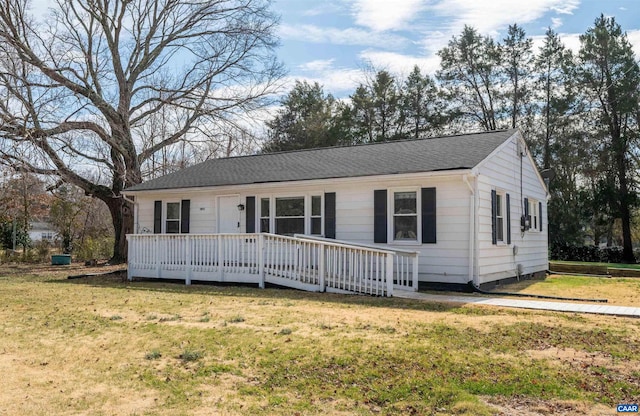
(569,252)
(43,249)
(94,248)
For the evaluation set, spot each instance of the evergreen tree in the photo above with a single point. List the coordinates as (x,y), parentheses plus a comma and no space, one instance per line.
(305,120)
(517,58)
(421,105)
(609,75)
(470,71)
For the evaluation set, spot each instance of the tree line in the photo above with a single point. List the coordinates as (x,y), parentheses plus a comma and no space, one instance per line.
(579,113)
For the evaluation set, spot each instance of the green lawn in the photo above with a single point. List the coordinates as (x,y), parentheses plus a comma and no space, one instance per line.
(102,346)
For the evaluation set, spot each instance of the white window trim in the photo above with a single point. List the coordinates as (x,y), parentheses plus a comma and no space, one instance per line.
(260,217)
(165,210)
(391,238)
(308,206)
(503,196)
(534,222)
(307,209)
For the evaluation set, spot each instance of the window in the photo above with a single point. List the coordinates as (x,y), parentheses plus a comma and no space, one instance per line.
(533,215)
(264,215)
(405,216)
(290,215)
(500,217)
(316,215)
(172,223)
(47,236)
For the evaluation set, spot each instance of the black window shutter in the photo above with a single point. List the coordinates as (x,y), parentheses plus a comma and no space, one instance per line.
(508,207)
(330,214)
(380,216)
(526,211)
(429,215)
(540,214)
(250,214)
(157,217)
(185,211)
(494,235)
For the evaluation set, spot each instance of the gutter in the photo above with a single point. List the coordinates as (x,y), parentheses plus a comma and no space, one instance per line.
(472,225)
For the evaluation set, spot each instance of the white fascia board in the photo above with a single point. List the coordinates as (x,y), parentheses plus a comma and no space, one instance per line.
(306,183)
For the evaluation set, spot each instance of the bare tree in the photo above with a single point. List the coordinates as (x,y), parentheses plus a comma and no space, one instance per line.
(77,86)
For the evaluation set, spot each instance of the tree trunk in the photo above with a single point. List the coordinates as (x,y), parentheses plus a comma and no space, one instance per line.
(122,218)
(625,212)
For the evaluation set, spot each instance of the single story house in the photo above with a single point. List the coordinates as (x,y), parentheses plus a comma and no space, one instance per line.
(473,206)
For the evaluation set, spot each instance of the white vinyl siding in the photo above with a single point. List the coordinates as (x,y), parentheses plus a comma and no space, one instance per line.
(502,171)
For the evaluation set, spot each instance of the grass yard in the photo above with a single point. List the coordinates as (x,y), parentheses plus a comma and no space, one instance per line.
(618,291)
(101,346)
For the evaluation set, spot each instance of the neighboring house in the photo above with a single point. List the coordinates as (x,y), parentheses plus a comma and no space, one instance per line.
(474,206)
(42,231)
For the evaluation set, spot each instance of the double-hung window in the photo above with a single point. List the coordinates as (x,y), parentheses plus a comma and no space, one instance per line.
(405,216)
(533,215)
(264,215)
(289,217)
(172,222)
(316,215)
(500,217)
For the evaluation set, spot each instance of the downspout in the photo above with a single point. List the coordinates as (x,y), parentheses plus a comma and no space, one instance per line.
(135,213)
(472,226)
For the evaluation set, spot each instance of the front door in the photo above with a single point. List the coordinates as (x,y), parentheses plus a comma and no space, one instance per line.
(228,214)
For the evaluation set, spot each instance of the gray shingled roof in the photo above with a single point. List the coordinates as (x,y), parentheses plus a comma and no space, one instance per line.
(407,156)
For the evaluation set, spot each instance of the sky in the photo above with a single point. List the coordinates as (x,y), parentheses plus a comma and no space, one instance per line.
(332,41)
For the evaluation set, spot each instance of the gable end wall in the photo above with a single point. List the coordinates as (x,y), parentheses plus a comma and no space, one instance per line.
(502,173)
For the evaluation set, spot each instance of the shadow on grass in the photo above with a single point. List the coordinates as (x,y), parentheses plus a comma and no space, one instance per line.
(119,281)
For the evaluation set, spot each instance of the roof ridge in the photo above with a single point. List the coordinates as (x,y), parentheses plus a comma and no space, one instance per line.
(360,145)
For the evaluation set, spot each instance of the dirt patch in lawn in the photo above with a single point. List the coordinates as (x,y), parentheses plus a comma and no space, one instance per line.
(524,406)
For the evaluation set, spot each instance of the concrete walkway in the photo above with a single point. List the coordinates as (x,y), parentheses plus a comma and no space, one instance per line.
(597,308)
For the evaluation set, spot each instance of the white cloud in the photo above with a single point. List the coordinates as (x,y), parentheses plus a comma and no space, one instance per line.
(317,65)
(337,81)
(401,65)
(489,16)
(381,15)
(556,22)
(570,40)
(634,39)
(349,36)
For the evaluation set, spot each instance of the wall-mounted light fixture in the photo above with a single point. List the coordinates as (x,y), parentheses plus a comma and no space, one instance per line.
(240,207)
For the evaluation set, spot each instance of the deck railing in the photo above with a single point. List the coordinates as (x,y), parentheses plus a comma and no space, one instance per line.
(302,263)
(405,262)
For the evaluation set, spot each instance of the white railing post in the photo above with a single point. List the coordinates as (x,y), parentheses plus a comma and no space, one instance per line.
(261,260)
(130,255)
(220,261)
(389,274)
(415,272)
(158,255)
(321,267)
(188,260)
